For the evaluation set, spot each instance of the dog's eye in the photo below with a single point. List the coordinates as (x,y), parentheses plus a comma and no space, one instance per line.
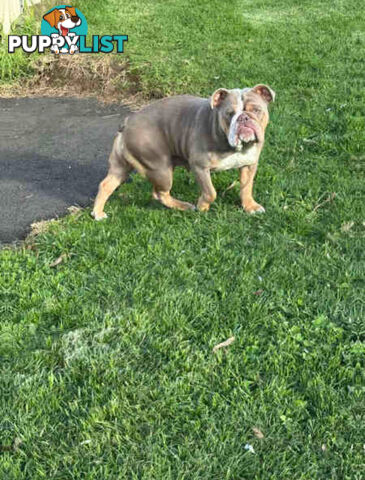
(61,17)
(257,110)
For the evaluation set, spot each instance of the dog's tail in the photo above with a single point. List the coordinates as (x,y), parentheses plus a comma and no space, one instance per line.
(121,154)
(122,125)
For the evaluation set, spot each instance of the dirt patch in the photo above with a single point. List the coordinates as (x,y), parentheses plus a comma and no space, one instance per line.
(37,228)
(106,78)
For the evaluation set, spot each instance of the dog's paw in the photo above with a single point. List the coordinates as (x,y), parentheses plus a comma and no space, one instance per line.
(253,208)
(203,206)
(99,217)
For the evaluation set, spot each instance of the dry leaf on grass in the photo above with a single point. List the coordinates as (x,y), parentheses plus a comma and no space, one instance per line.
(58,260)
(258,292)
(226,343)
(346,227)
(17,443)
(330,198)
(258,433)
(39,227)
(74,209)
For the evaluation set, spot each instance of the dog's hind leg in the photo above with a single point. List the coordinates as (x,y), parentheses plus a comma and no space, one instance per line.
(162,184)
(119,170)
(106,188)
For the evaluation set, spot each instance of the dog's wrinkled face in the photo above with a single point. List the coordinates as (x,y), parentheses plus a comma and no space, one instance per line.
(243,114)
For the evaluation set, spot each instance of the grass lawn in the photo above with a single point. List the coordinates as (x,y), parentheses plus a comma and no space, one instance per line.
(107,363)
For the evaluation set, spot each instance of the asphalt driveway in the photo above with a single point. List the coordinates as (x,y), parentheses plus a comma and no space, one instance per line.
(53,154)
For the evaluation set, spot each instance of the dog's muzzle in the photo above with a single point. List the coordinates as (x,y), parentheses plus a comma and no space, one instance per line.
(242,130)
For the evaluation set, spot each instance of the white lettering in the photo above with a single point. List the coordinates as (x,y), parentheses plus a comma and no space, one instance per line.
(14,41)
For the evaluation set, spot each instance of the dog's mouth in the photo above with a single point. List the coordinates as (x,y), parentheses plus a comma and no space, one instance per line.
(246,131)
(68,24)
(242,130)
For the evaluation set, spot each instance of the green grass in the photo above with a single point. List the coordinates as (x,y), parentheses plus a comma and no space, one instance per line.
(18,65)
(107,363)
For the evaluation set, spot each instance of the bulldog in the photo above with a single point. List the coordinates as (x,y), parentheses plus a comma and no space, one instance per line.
(204,135)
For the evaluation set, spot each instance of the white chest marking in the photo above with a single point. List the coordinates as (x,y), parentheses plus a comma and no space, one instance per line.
(237,160)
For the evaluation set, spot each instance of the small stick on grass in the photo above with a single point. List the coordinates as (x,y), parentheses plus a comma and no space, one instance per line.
(226,343)
(330,198)
(58,260)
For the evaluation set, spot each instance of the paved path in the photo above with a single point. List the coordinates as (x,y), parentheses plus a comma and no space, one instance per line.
(53,154)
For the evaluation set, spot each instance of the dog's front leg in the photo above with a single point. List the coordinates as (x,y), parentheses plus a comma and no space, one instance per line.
(246,184)
(208,194)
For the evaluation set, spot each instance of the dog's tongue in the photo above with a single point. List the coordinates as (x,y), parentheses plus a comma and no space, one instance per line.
(64,30)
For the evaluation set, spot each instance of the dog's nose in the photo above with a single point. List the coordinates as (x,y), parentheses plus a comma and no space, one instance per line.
(75,18)
(243,118)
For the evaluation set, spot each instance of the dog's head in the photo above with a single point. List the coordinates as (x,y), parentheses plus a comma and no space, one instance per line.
(64,19)
(243,114)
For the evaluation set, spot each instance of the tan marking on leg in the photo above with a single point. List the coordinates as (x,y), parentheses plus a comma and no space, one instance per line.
(208,191)
(106,188)
(162,183)
(118,173)
(170,202)
(246,179)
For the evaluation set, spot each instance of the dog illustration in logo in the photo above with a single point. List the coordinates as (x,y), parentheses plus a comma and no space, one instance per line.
(63,19)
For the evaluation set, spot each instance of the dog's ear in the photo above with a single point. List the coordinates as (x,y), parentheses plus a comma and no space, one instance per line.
(71,11)
(265,92)
(52,17)
(218,96)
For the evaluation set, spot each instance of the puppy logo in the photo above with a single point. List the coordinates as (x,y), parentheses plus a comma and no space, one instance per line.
(67,22)
(64,30)
(63,19)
